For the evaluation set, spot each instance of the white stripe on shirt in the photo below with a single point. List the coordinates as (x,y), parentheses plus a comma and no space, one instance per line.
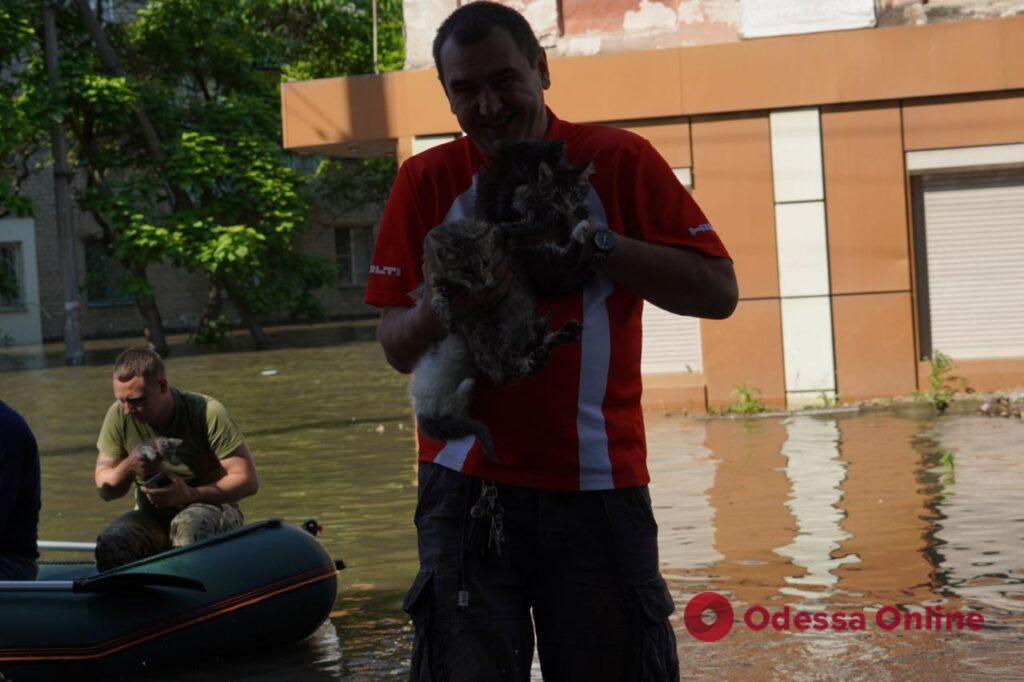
(595,359)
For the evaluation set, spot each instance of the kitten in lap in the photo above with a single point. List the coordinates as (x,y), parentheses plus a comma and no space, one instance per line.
(532,192)
(507,342)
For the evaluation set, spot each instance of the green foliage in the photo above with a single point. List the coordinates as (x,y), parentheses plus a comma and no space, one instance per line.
(220,196)
(942,383)
(26,107)
(213,331)
(746,401)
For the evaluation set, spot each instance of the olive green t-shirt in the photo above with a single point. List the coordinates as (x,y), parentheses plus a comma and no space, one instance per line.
(207,430)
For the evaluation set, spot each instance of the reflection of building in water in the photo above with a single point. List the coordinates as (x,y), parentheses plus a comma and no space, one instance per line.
(682,470)
(751,519)
(981,526)
(886,513)
(815,473)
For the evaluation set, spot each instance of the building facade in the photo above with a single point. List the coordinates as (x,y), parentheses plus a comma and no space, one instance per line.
(29,251)
(869,182)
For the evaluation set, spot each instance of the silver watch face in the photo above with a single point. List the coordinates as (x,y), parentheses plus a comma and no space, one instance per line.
(604,240)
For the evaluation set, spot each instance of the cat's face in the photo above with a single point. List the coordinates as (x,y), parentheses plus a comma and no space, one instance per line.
(462,254)
(559,186)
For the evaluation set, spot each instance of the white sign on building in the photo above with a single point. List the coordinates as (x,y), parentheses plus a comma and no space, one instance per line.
(762,18)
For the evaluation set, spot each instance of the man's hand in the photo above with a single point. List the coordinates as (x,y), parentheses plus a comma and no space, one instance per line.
(142,467)
(175,495)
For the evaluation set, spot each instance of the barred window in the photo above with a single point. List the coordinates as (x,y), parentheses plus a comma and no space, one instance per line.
(353,248)
(12,289)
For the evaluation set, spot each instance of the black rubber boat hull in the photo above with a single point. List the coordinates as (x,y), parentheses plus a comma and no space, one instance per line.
(263,585)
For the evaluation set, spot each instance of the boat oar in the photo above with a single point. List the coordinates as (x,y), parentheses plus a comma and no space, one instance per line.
(111,581)
(103,583)
(58,546)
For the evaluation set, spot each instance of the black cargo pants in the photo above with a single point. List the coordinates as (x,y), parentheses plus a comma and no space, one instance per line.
(584,563)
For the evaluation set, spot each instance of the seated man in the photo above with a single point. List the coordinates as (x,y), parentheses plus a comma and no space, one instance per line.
(19,497)
(214,470)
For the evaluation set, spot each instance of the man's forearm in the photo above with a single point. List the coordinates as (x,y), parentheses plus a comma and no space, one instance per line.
(678,280)
(231,488)
(114,480)
(407,333)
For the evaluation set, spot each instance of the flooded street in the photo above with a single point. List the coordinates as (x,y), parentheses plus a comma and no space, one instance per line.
(844,513)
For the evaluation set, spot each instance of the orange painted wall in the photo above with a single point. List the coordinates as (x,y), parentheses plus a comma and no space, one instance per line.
(746,348)
(865,198)
(874,345)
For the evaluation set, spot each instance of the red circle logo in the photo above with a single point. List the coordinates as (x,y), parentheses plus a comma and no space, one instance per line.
(708,632)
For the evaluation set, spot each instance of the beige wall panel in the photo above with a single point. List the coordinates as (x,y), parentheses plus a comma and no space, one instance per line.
(745,348)
(678,390)
(423,108)
(749,500)
(791,71)
(330,110)
(983,375)
(732,174)
(964,121)
(670,137)
(874,341)
(936,59)
(865,199)
(616,87)
(882,483)
(760,74)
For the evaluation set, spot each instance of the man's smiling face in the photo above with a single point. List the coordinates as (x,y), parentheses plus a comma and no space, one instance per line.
(494,91)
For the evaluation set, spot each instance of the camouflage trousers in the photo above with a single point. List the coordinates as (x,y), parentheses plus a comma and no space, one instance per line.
(138,534)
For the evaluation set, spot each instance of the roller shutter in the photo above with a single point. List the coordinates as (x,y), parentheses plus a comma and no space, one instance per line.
(671,343)
(974,243)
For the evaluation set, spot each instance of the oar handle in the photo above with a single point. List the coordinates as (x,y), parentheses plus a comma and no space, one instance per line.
(59,546)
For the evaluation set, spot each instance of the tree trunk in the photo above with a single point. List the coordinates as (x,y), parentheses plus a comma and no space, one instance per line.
(259,336)
(74,353)
(153,327)
(214,301)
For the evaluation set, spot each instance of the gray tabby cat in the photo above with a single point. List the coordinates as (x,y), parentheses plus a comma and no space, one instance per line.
(507,342)
(532,191)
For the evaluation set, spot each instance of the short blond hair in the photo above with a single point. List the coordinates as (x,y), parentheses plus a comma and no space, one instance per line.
(135,362)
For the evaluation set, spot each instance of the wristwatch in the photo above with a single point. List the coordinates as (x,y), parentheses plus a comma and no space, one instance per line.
(604,244)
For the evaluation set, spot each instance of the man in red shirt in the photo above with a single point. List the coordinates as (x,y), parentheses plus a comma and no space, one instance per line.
(561,525)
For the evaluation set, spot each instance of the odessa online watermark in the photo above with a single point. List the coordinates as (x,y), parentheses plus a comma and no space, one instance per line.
(887,618)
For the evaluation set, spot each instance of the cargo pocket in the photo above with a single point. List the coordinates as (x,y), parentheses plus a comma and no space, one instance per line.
(656,659)
(427,665)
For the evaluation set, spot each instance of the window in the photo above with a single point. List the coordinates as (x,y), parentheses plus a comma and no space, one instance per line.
(969,244)
(353,248)
(103,276)
(12,291)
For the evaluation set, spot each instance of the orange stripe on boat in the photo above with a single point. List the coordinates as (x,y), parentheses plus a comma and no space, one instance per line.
(40,654)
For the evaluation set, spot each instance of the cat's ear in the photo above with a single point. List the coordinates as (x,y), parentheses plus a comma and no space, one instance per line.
(544,172)
(587,171)
(519,195)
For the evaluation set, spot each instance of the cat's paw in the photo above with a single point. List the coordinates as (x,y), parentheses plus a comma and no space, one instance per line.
(572,331)
(583,231)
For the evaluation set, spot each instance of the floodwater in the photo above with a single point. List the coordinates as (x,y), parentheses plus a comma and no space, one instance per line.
(835,514)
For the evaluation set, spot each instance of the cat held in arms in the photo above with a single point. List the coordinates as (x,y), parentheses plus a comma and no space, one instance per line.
(535,224)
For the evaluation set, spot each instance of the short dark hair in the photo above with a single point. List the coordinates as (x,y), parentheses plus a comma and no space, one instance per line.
(135,362)
(473,22)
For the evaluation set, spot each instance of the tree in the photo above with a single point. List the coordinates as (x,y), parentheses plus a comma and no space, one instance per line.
(179,145)
(26,109)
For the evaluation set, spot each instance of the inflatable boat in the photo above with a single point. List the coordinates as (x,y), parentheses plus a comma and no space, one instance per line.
(264,584)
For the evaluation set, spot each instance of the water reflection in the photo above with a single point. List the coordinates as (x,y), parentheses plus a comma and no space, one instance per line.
(840,514)
(815,474)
